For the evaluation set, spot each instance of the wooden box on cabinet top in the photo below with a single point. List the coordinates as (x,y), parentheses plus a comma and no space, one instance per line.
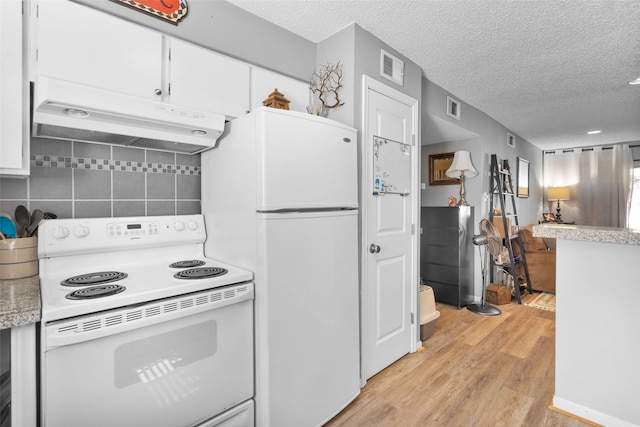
(446,253)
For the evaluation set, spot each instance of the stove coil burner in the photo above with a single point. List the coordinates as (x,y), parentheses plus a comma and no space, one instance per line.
(188,263)
(200,273)
(101,277)
(95,292)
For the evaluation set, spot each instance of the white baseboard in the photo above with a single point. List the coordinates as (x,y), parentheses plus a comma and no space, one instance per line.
(589,414)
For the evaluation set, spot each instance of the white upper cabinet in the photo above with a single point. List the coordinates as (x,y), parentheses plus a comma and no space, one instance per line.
(208,81)
(14,140)
(87,46)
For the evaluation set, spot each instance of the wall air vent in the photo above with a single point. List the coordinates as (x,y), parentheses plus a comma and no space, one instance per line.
(391,68)
(453,108)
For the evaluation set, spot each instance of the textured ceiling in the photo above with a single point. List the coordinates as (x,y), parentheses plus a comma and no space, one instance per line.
(549,71)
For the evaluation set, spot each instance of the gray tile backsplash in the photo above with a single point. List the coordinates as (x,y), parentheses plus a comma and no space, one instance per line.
(83,180)
(13,189)
(91,184)
(188,207)
(127,185)
(188,186)
(161,207)
(161,186)
(130,208)
(50,183)
(92,209)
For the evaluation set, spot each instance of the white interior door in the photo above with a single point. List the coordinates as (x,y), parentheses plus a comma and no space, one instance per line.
(389,251)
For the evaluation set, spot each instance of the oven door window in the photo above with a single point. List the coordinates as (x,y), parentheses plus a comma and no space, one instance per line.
(176,373)
(156,358)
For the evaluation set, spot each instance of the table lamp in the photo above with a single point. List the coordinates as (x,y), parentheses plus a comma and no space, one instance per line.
(461,167)
(558,193)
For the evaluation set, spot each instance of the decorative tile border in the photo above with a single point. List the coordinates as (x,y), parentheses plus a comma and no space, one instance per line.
(48,161)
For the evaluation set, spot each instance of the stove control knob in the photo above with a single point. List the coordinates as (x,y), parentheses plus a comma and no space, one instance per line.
(81,231)
(178,225)
(60,233)
(192,225)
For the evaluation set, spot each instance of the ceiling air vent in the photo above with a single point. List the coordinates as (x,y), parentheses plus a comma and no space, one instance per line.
(391,67)
(453,108)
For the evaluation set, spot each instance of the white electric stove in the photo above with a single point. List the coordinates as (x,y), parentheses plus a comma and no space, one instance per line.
(134,313)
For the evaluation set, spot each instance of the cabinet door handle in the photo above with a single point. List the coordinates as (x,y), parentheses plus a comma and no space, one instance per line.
(158,92)
(374,249)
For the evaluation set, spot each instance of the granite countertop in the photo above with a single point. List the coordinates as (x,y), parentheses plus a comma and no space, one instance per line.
(19,301)
(586,233)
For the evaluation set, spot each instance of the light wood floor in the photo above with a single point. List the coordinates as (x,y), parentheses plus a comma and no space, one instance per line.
(474,371)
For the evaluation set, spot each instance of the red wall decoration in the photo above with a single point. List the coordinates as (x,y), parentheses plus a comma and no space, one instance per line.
(168,10)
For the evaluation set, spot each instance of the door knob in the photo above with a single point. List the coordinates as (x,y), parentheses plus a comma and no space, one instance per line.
(158,92)
(374,249)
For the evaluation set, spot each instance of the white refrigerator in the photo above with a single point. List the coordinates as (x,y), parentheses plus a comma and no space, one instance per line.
(280,197)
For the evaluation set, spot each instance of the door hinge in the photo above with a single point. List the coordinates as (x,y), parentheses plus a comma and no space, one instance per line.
(413,229)
(413,139)
(169,54)
(412,320)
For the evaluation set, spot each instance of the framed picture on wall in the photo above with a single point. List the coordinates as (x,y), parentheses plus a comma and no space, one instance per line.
(438,165)
(511,140)
(523,178)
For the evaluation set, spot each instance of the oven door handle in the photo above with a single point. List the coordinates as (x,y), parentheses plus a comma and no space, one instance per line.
(86,328)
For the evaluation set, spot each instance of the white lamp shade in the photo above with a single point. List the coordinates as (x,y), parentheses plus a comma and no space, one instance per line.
(461,162)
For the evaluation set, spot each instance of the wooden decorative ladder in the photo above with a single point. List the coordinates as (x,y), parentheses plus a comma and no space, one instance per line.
(501,185)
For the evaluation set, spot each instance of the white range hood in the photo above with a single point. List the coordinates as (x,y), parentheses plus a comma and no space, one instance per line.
(66,110)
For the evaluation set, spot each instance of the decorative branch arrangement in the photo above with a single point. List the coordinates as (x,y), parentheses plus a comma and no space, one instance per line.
(326,82)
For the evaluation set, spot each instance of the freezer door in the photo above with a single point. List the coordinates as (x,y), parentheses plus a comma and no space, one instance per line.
(307,321)
(305,162)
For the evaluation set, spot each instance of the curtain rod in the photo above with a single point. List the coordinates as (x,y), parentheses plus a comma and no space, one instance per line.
(583,149)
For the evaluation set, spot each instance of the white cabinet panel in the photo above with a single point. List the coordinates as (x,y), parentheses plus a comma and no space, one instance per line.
(14,148)
(208,81)
(84,45)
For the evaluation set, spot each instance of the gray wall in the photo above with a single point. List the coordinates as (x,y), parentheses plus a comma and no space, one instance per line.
(491,139)
(340,47)
(359,51)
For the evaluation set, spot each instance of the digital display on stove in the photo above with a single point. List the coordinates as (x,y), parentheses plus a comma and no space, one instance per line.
(134,226)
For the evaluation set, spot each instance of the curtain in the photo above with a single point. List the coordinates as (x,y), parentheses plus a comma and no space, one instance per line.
(600,180)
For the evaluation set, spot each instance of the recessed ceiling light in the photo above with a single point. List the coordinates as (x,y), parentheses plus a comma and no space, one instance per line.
(593,132)
(635,82)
